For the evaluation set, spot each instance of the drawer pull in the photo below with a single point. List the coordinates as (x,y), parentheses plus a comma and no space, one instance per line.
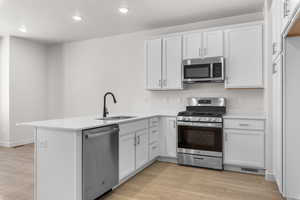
(244,124)
(154,131)
(199,158)
(154,147)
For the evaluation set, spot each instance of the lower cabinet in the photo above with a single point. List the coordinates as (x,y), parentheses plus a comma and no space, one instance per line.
(141,148)
(126,155)
(168,137)
(244,148)
(133,147)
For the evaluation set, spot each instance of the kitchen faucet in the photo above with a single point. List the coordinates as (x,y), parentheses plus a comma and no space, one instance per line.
(105,111)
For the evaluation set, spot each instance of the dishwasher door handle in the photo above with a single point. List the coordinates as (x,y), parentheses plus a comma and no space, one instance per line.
(94,135)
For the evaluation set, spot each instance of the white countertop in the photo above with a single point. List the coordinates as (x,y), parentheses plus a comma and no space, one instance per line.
(88,122)
(82,123)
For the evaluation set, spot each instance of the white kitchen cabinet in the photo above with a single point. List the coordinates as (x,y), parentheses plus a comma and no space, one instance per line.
(244,148)
(244,57)
(172,60)
(276,9)
(213,43)
(126,155)
(168,137)
(288,11)
(154,63)
(192,43)
(203,44)
(142,148)
(277,123)
(163,63)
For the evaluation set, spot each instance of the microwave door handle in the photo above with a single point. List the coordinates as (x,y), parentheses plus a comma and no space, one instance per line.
(211,70)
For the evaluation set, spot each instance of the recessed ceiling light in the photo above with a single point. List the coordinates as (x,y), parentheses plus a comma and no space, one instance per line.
(23,29)
(123,10)
(77,18)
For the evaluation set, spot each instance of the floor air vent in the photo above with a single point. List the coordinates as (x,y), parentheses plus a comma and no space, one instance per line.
(250,170)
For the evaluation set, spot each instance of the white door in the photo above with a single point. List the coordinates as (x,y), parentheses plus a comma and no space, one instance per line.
(192,45)
(169,137)
(142,148)
(153,63)
(213,43)
(277,122)
(244,57)
(126,155)
(172,60)
(244,148)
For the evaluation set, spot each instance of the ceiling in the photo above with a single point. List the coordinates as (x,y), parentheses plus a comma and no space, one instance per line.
(51,20)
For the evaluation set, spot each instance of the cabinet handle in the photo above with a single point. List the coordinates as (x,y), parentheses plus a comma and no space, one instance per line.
(174,124)
(139,140)
(165,83)
(274,48)
(226,137)
(244,124)
(154,147)
(205,52)
(286,11)
(274,69)
(135,140)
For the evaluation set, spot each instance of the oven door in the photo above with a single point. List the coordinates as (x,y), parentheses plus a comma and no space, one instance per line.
(201,140)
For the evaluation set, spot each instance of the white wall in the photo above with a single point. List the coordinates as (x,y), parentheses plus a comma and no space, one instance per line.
(23,89)
(4,91)
(90,68)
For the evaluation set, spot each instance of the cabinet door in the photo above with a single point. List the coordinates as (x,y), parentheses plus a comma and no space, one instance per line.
(154,63)
(169,137)
(192,45)
(244,62)
(277,122)
(276,28)
(142,148)
(213,43)
(126,155)
(244,148)
(172,61)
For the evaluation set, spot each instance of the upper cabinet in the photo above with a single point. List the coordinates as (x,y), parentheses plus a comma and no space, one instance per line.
(203,44)
(276,10)
(163,62)
(240,45)
(154,63)
(287,11)
(172,60)
(244,57)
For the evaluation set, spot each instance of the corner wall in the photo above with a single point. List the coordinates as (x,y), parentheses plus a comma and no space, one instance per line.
(23,89)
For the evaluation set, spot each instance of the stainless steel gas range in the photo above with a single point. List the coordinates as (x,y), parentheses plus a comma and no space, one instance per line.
(200,133)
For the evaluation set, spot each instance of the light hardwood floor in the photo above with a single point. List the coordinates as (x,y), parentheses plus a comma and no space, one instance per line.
(16,173)
(165,181)
(161,181)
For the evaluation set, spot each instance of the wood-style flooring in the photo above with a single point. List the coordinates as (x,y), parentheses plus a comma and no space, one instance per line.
(160,181)
(165,181)
(16,173)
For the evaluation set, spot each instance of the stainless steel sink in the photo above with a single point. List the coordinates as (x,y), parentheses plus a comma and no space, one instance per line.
(115,118)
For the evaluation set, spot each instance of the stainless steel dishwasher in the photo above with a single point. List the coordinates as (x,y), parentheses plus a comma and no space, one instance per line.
(100,161)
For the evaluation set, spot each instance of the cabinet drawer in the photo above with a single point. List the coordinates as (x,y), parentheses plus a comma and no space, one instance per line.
(154,150)
(154,134)
(153,122)
(133,126)
(244,124)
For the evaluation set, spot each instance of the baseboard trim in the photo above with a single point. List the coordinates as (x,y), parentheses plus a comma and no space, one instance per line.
(240,170)
(269,176)
(167,159)
(4,144)
(16,143)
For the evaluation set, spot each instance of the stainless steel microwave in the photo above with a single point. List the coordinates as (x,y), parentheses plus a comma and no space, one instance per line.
(203,70)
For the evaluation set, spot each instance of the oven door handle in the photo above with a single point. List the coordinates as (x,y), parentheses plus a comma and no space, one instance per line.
(199,124)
